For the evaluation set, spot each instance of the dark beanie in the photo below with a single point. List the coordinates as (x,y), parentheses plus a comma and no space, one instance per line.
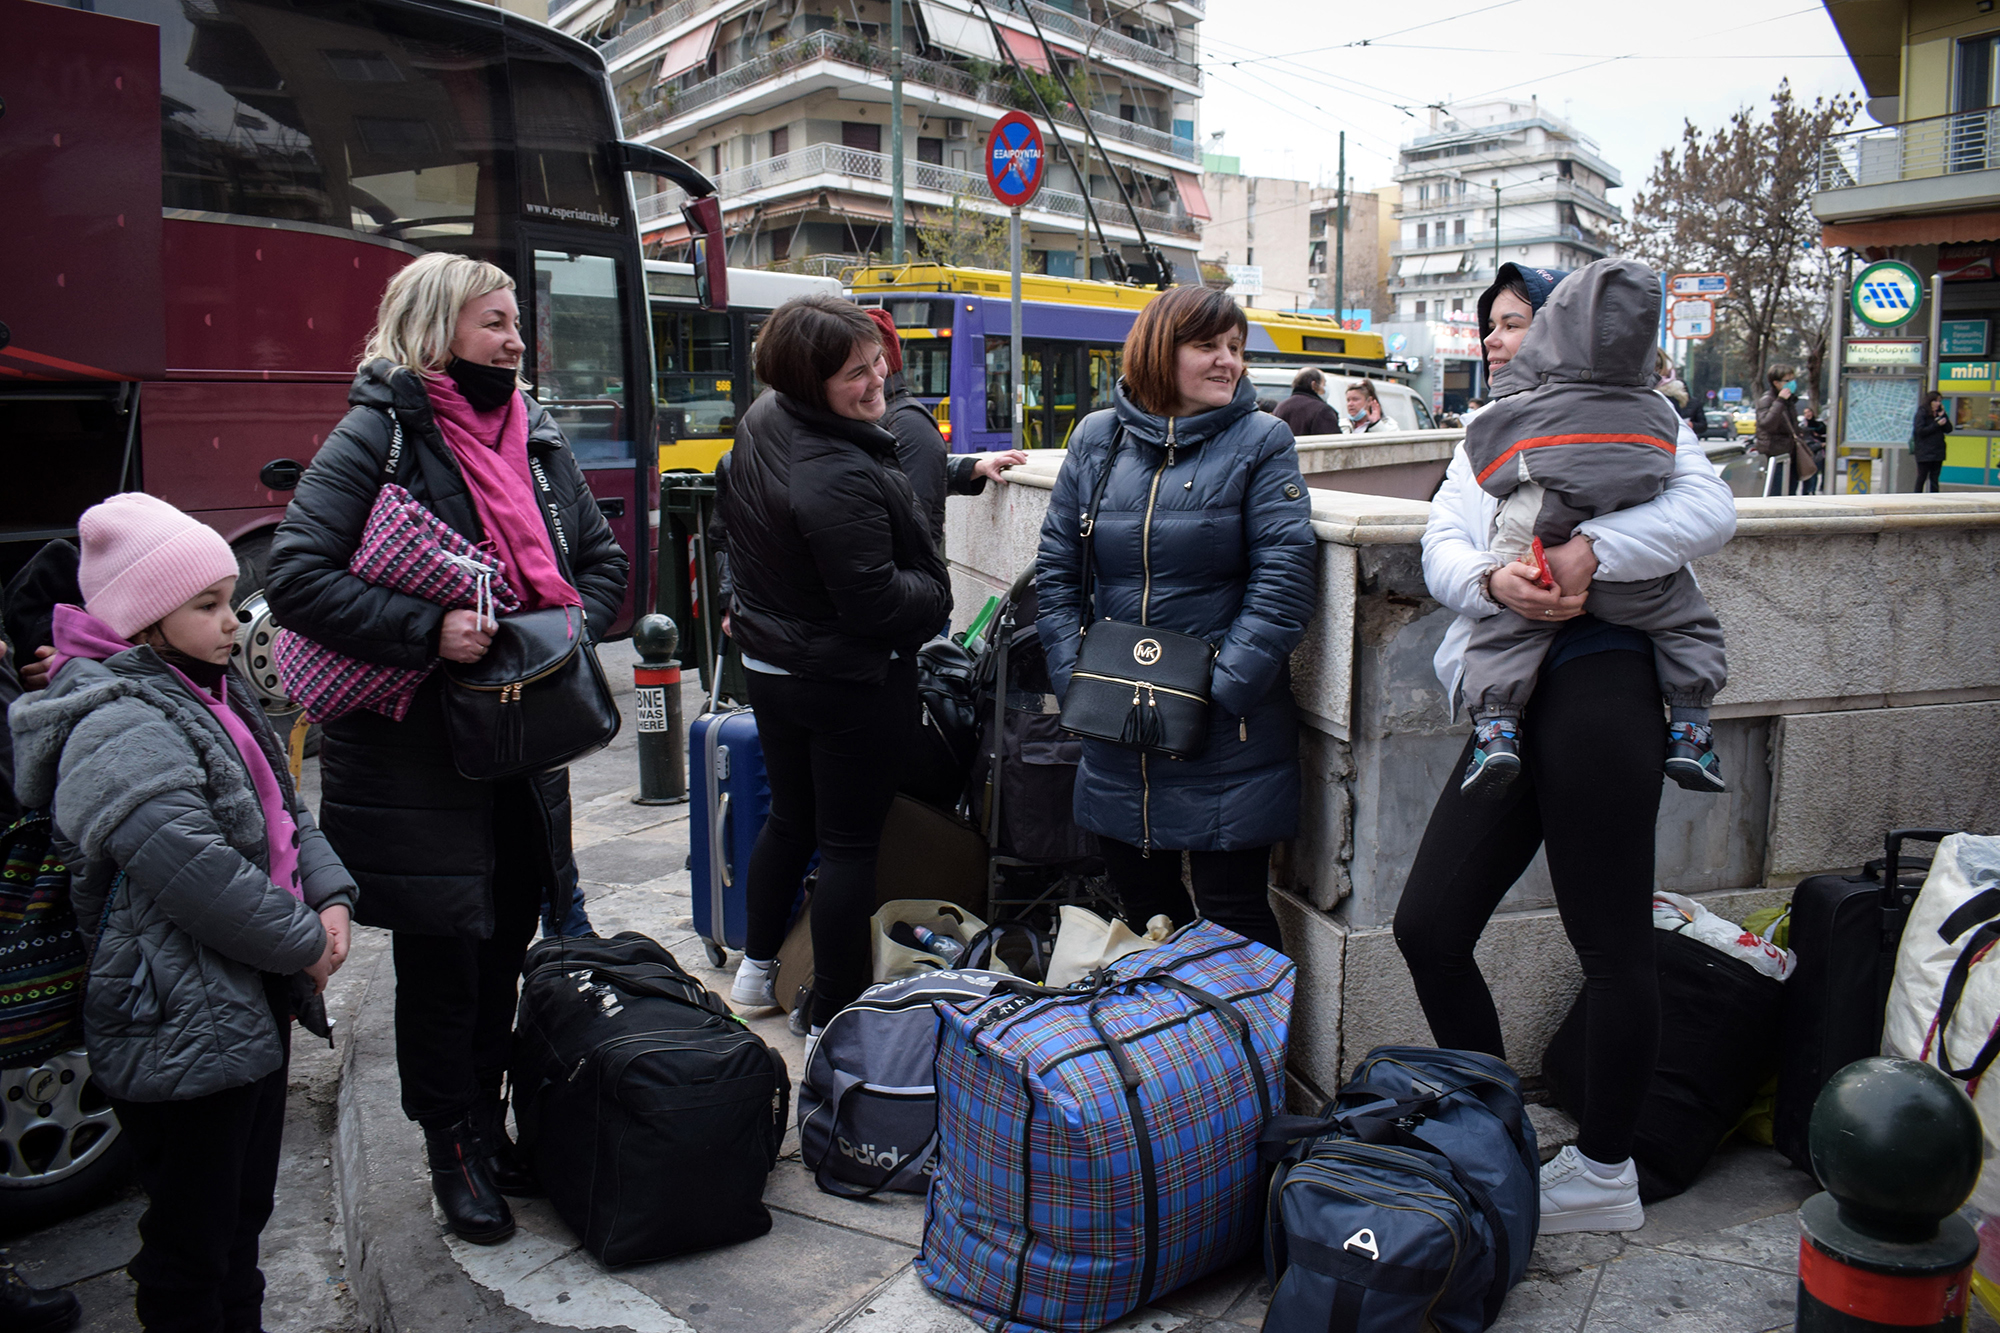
(1539,282)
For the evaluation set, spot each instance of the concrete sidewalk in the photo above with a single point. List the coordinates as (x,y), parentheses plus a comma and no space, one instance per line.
(1721,1258)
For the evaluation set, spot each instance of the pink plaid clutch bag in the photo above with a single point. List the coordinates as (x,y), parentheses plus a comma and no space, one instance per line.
(407,549)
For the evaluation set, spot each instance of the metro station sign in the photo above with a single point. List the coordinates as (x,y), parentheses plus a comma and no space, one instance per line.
(1886,294)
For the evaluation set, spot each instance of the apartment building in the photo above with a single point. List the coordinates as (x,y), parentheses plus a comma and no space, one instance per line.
(1493,182)
(1286,228)
(786,104)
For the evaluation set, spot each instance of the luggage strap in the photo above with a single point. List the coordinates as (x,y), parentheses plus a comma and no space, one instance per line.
(903,1177)
(1954,991)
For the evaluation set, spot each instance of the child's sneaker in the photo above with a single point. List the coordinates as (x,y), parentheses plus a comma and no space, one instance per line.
(1496,759)
(1576,1198)
(1691,757)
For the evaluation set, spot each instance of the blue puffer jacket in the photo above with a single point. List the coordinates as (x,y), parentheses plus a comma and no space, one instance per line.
(1229,557)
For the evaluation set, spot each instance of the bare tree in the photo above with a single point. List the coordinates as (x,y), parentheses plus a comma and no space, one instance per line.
(963,236)
(1738,200)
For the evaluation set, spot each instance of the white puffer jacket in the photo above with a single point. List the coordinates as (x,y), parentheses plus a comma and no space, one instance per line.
(1693,517)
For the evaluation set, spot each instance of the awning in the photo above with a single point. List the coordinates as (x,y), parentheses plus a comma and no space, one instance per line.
(1026,50)
(1450,262)
(967,34)
(1192,199)
(688,50)
(1948,229)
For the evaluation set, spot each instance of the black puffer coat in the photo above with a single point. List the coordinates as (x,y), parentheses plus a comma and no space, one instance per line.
(1927,435)
(418,838)
(831,566)
(933,469)
(1211,537)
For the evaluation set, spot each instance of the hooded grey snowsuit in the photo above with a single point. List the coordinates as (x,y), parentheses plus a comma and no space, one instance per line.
(1581,432)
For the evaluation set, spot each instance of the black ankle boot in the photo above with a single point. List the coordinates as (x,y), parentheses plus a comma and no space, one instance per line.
(505,1162)
(26,1309)
(465,1190)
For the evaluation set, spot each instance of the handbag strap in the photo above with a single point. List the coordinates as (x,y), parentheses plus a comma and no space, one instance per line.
(1088,527)
(393,467)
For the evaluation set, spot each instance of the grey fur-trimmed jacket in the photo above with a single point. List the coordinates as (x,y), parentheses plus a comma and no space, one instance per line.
(141,777)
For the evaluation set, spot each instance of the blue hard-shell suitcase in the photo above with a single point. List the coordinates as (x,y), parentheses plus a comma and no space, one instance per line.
(730,796)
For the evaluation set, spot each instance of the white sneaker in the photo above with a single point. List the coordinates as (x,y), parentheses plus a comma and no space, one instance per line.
(1575,1198)
(812,1044)
(756,984)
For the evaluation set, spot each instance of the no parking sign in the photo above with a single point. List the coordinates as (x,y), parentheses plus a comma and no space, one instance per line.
(1014,159)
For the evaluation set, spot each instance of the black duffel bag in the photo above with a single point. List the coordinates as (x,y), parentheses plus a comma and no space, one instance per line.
(939,762)
(536,701)
(651,1114)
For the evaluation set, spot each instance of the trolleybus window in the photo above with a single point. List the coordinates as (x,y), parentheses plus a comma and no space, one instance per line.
(580,360)
(691,349)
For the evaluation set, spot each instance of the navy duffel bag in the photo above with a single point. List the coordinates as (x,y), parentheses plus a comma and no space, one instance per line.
(1413,1201)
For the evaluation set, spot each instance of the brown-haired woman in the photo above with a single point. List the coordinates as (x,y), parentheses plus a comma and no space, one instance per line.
(1927,442)
(834,584)
(1204,528)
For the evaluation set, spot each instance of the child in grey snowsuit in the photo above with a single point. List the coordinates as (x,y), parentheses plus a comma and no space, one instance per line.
(1580,431)
(217,907)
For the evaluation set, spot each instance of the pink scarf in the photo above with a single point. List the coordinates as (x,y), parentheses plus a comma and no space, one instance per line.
(80,634)
(492,453)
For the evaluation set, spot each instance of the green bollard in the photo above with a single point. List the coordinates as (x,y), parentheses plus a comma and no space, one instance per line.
(662,737)
(1898,1147)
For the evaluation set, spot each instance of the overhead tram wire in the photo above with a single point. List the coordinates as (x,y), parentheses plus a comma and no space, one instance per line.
(1370,41)
(1632,55)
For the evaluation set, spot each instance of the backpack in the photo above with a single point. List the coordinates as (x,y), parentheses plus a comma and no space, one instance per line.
(43,962)
(867,1099)
(628,1074)
(1097,1146)
(1413,1201)
(939,760)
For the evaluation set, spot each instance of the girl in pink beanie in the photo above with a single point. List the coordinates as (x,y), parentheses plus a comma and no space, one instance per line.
(223,909)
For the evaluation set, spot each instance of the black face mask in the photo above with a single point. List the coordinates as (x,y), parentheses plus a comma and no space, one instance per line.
(208,675)
(485,387)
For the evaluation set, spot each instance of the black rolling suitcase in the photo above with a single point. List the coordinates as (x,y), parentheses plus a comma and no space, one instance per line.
(1845,929)
(651,1113)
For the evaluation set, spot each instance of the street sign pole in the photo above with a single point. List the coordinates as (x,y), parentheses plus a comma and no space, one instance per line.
(896,131)
(1340,239)
(1014,338)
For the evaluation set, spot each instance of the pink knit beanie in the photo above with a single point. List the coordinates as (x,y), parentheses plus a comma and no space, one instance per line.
(143,558)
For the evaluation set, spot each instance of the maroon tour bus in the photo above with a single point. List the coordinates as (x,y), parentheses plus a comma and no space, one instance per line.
(208,196)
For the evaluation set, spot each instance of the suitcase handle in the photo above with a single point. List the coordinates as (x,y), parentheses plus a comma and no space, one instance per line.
(719,840)
(1892,846)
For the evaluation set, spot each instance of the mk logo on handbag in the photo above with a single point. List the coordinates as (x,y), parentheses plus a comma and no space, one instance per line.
(1146,652)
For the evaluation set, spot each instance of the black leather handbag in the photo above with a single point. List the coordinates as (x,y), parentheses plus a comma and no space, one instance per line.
(536,701)
(1138,686)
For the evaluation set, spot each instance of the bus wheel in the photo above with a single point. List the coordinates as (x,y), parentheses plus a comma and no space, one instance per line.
(60,1146)
(254,640)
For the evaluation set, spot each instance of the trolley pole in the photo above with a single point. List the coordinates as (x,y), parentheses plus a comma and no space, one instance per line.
(1340,239)
(663,773)
(895,131)
(1014,262)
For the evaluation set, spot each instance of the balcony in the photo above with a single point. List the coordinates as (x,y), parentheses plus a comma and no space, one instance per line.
(647,30)
(1480,196)
(924,183)
(1942,164)
(872,62)
(1477,241)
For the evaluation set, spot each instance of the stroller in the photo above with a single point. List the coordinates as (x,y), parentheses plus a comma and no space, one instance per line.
(1024,776)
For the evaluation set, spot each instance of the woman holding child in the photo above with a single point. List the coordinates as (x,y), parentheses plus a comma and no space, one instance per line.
(1589,747)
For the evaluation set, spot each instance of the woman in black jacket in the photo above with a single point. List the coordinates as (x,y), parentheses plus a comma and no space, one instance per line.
(457,869)
(1927,441)
(1204,528)
(834,583)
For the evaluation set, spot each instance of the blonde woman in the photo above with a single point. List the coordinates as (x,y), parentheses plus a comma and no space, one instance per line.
(457,869)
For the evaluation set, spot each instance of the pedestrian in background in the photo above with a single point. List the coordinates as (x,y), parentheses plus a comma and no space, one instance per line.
(1780,437)
(1588,793)
(1927,441)
(219,910)
(933,469)
(1364,410)
(1204,528)
(1307,412)
(835,581)
(458,869)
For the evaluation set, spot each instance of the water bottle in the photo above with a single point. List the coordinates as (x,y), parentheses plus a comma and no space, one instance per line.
(944,946)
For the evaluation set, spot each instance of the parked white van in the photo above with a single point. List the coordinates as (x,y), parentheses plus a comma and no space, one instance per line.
(1400,403)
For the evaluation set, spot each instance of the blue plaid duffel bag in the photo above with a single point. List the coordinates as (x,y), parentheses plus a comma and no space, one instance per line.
(1097,1146)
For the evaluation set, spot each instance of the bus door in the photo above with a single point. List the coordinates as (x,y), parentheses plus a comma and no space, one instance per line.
(584,367)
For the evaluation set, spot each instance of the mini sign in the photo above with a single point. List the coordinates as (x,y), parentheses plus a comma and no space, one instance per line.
(1014,159)
(1967,377)
(1885,352)
(1963,337)
(1886,294)
(1698,284)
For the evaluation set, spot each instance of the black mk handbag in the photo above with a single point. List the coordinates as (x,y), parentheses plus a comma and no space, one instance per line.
(536,701)
(1135,685)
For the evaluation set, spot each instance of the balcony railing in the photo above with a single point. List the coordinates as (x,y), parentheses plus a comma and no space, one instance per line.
(859,165)
(844,49)
(1482,241)
(647,29)
(1938,146)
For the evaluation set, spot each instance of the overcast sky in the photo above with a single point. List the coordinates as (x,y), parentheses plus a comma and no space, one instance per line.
(1625,74)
